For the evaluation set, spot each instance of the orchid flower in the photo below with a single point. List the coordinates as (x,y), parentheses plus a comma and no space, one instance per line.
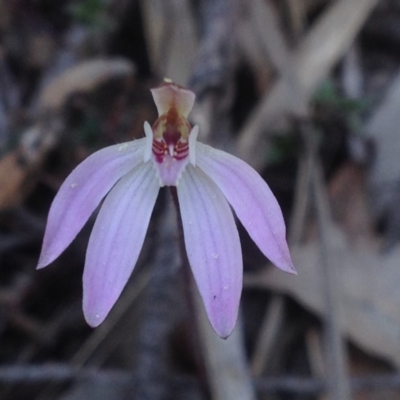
(129,177)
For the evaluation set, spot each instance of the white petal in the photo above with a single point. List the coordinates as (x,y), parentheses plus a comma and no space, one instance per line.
(213,247)
(116,241)
(192,144)
(251,198)
(148,141)
(83,191)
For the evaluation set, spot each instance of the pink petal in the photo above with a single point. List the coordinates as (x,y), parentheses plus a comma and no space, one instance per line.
(171,95)
(116,241)
(213,248)
(82,192)
(251,198)
(170,170)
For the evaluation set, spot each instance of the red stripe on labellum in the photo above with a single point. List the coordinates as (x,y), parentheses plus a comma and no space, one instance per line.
(160,149)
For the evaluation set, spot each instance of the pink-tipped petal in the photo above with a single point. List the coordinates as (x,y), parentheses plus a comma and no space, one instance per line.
(213,248)
(171,95)
(116,241)
(251,198)
(82,192)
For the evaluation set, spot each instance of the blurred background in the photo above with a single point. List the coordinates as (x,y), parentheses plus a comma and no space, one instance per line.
(308,93)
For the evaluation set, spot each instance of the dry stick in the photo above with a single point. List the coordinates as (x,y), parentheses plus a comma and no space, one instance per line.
(121,307)
(264,19)
(161,311)
(275,46)
(262,42)
(301,199)
(99,335)
(273,318)
(300,102)
(267,27)
(315,353)
(315,386)
(62,373)
(298,15)
(133,290)
(338,379)
(212,77)
(316,55)
(225,360)
(171,38)
(302,202)
(270,328)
